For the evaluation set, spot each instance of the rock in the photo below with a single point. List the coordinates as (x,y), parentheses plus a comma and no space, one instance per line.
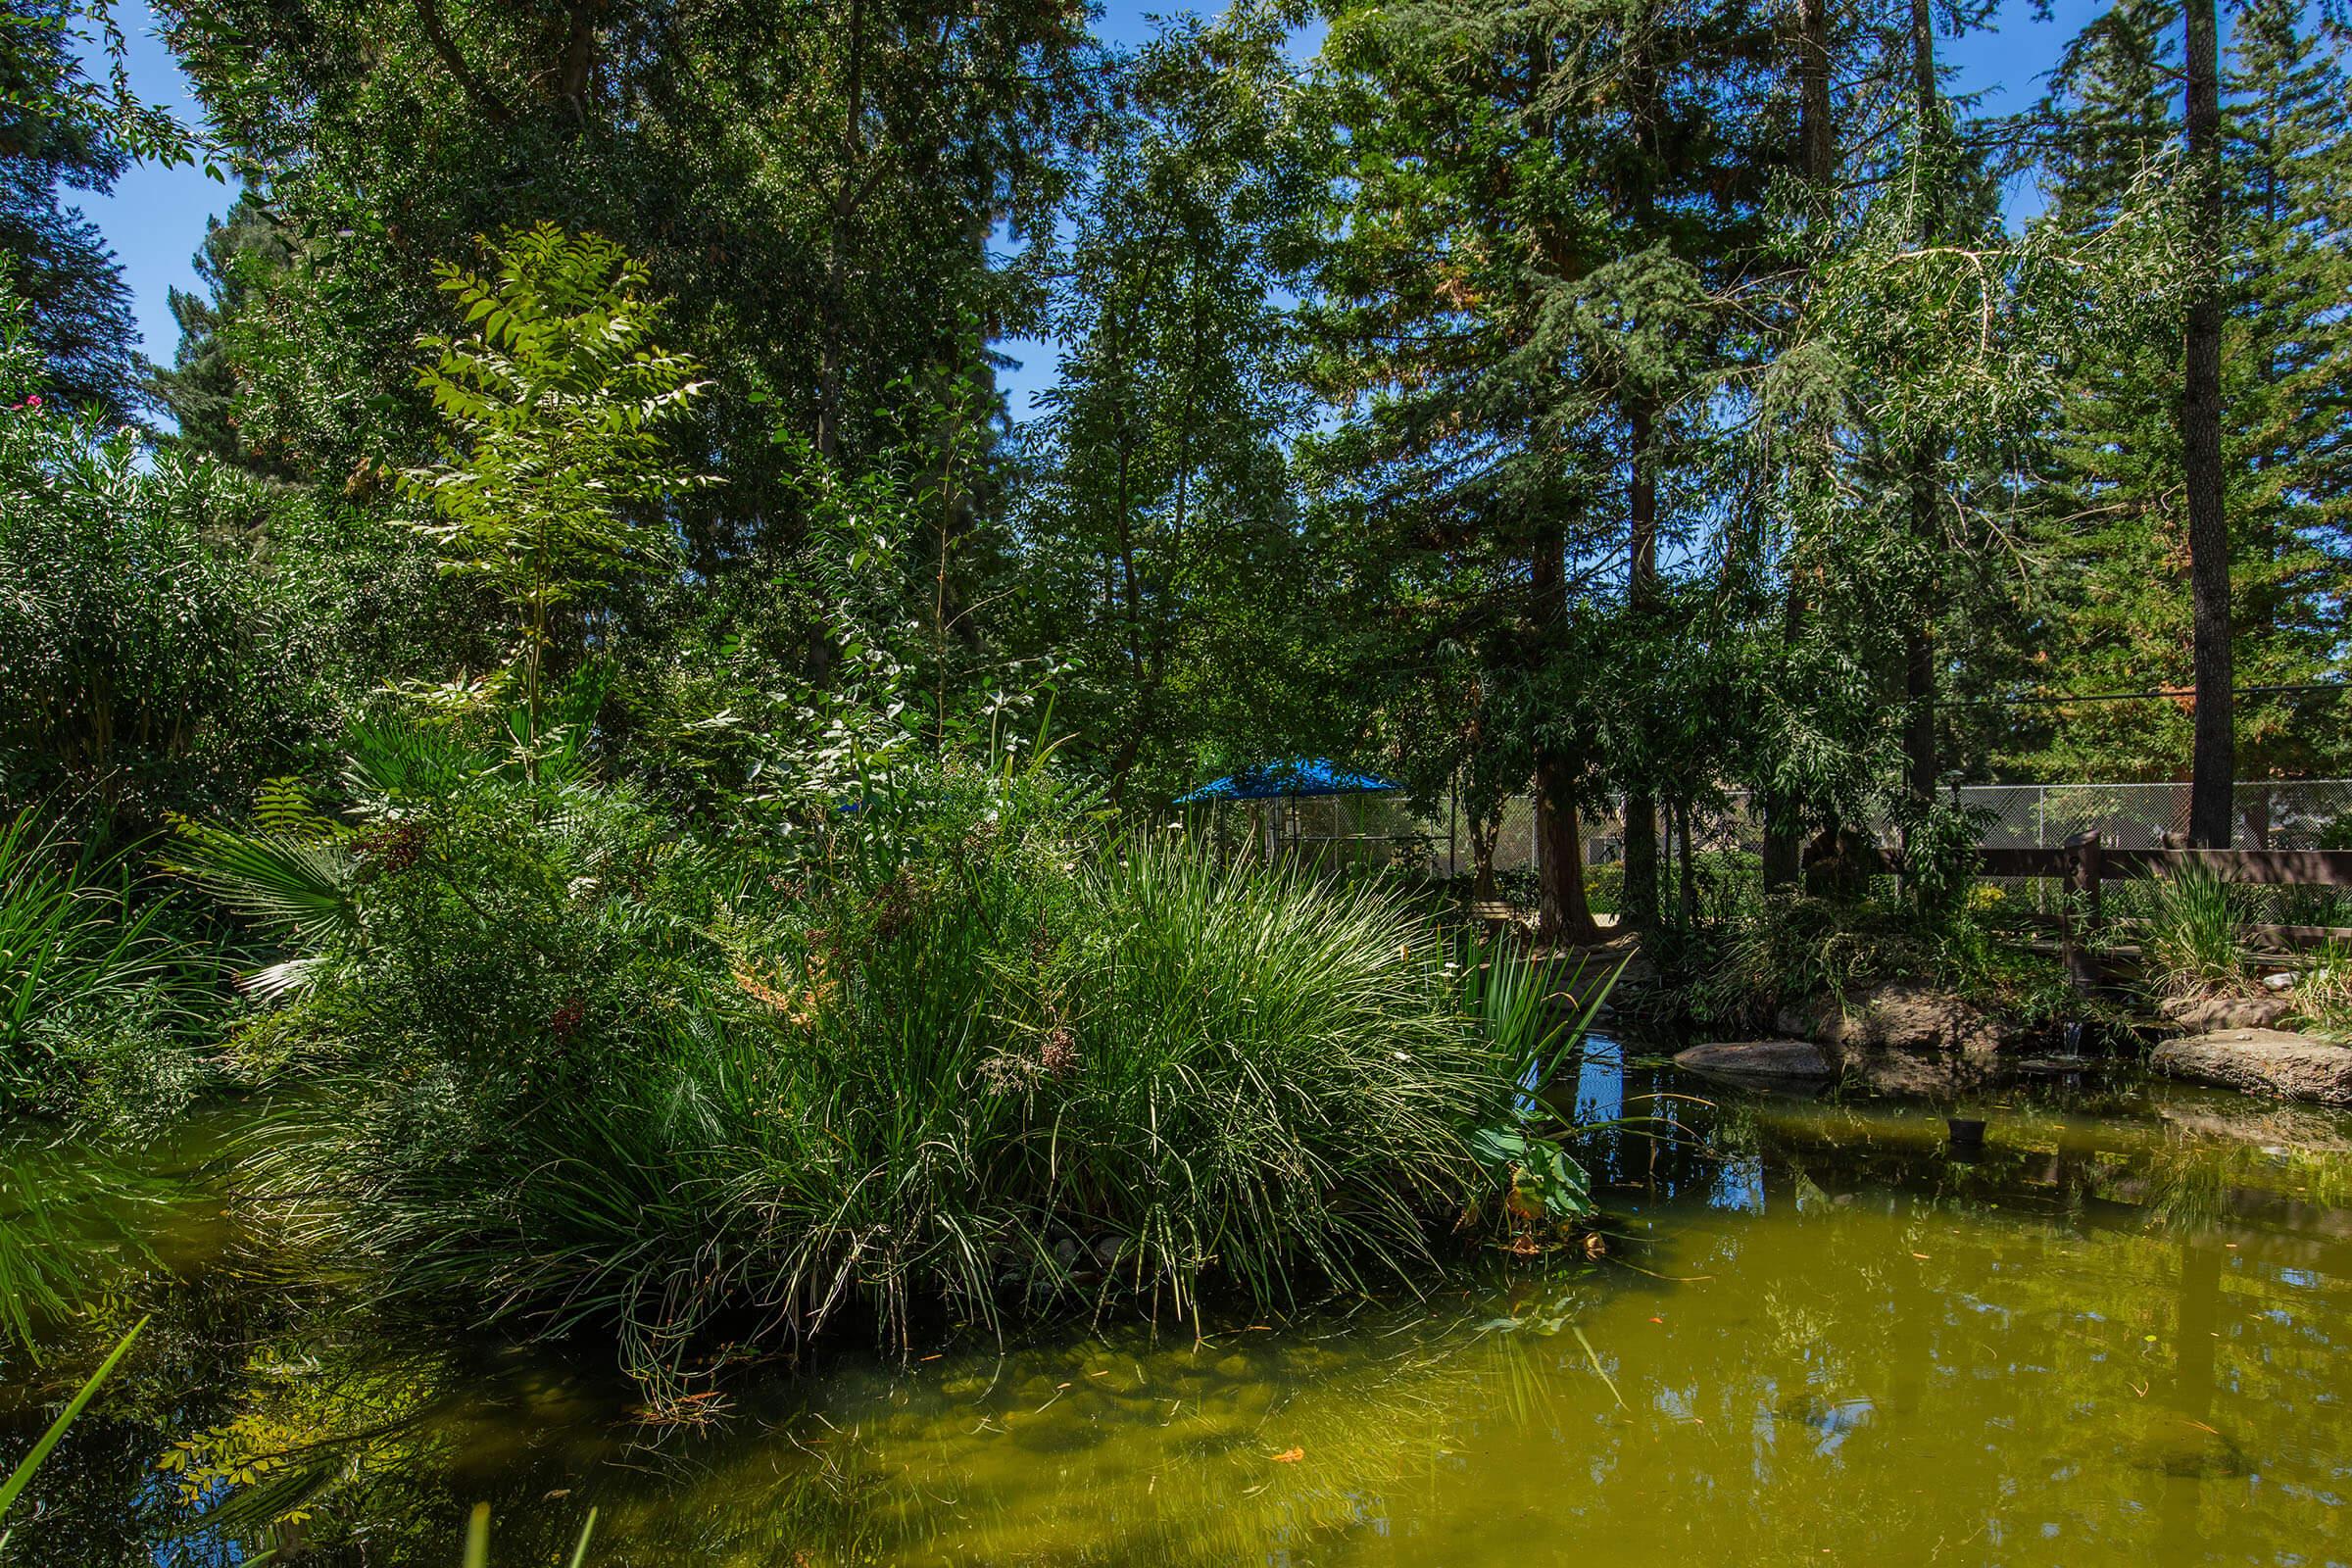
(2281,981)
(1778,1061)
(2264,1125)
(2204,1015)
(1908,1039)
(1831,1418)
(1925,1074)
(1898,1017)
(2262,1061)
(2179,1445)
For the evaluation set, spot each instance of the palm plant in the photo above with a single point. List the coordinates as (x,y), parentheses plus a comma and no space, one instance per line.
(1535,1012)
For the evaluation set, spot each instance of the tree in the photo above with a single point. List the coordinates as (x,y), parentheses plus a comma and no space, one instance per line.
(60,130)
(2213,763)
(149,662)
(2118,609)
(555,407)
(1159,531)
(244,255)
(1541,215)
(827,190)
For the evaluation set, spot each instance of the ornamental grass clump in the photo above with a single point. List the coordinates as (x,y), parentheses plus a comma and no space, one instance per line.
(2192,944)
(960,1057)
(98,1004)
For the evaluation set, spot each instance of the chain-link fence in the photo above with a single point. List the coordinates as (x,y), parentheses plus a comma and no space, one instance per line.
(1380,830)
(2301,815)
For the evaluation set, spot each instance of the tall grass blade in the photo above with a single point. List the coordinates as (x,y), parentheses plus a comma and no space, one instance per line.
(22,1476)
(579,1553)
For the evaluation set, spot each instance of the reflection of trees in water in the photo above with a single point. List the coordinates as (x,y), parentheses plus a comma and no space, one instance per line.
(1917,1354)
(1898,1352)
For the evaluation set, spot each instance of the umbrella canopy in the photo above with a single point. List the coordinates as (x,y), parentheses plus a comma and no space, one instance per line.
(1313,775)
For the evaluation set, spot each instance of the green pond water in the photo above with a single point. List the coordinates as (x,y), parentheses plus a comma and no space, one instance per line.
(2122,1333)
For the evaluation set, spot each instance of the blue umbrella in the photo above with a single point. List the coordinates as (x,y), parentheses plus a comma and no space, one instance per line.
(1270,781)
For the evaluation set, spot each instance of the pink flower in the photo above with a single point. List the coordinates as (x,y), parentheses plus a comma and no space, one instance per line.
(34,402)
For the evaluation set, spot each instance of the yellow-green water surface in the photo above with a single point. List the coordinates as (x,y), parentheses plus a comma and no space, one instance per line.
(2120,1333)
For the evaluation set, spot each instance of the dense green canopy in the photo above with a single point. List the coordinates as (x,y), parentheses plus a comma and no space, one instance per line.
(1627,400)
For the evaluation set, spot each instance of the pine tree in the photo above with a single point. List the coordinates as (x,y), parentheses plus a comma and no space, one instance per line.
(2118,612)
(1523,320)
(54,139)
(243,254)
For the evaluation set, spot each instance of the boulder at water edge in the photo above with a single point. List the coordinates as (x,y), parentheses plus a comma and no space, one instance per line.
(1759,1061)
(1899,1017)
(2262,1061)
(2203,1015)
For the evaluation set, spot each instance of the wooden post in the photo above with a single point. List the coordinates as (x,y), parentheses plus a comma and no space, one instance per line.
(2083,876)
(1453,848)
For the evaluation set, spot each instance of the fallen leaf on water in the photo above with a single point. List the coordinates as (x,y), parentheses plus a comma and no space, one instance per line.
(1290,1456)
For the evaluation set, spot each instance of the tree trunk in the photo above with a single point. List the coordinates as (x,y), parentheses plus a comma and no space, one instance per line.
(1919,647)
(1485,832)
(1817,153)
(1689,902)
(832,328)
(2214,761)
(1817,158)
(1562,916)
(1641,585)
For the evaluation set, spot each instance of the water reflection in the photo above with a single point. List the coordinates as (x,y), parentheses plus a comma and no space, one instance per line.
(2117,1335)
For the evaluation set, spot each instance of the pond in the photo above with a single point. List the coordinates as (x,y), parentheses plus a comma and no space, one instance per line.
(2118,1333)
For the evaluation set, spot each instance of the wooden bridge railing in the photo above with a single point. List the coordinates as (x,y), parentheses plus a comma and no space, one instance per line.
(2088,860)
(2084,864)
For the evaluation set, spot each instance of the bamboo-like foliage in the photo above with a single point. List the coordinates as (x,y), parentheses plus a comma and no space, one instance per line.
(554,469)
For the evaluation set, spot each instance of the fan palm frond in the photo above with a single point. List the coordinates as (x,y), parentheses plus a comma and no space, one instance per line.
(297,889)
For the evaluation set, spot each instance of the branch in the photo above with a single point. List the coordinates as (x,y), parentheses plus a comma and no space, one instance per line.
(428,15)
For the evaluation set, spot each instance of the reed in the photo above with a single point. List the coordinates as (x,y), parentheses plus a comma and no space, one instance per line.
(2192,943)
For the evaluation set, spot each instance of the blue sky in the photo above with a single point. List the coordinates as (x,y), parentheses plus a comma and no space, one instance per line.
(155,218)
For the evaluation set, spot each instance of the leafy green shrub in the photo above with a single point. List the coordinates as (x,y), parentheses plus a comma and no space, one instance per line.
(566,1065)
(1941,850)
(139,675)
(2323,993)
(1793,949)
(98,1004)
